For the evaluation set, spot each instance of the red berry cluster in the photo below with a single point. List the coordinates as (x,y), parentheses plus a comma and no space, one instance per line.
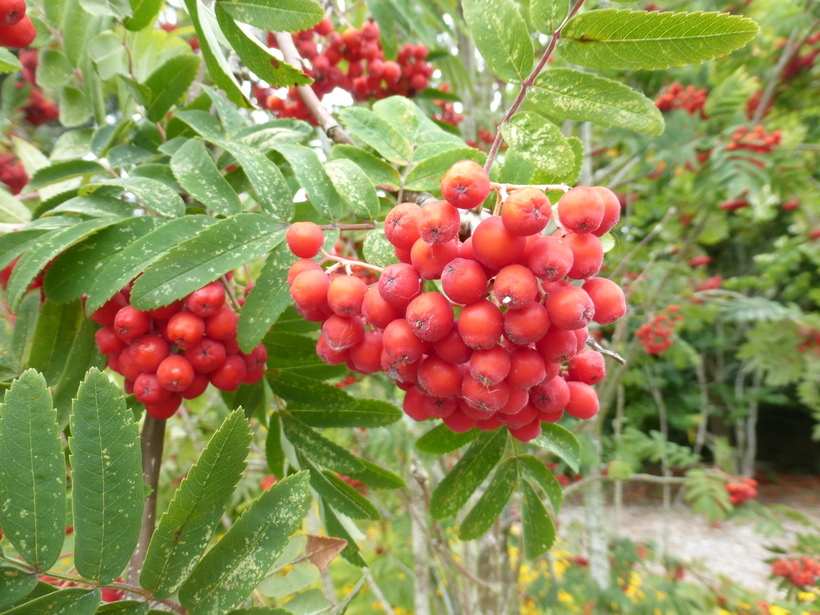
(799,571)
(700,261)
(809,340)
(354,61)
(655,336)
(712,283)
(678,97)
(504,343)
(734,204)
(742,490)
(802,62)
(173,352)
(757,140)
(12,173)
(448,114)
(16,29)
(754,102)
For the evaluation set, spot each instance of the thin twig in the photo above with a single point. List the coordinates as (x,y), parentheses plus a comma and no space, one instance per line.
(592,343)
(649,237)
(350,263)
(544,187)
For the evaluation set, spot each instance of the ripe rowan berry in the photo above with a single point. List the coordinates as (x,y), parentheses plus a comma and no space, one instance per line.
(19,35)
(515,287)
(366,355)
(490,366)
(464,281)
(570,308)
(526,212)
(126,366)
(229,375)
(525,416)
(438,378)
(106,314)
(303,264)
(482,397)
(526,433)
(587,366)
(222,325)
(438,222)
(587,255)
(430,316)
(452,348)
(430,260)
(12,11)
(197,388)
(309,289)
(165,312)
(108,342)
(175,373)
(185,329)
(148,351)
(165,409)
(149,390)
(305,239)
(400,225)
(583,400)
(130,323)
(480,324)
(376,310)
(414,405)
(527,368)
(458,422)
(550,397)
(494,246)
(206,355)
(518,399)
(329,355)
(401,343)
(343,333)
(399,284)
(581,210)
(465,185)
(526,325)
(207,300)
(612,210)
(557,345)
(608,298)
(550,258)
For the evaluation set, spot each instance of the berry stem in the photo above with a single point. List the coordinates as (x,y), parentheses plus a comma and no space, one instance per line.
(333,131)
(527,84)
(348,262)
(230,292)
(544,187)
(364,226)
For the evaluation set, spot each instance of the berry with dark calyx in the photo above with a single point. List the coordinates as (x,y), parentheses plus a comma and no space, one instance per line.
(414,405)
(404,375)
(570,308)
(130,323)
(400,225)
(430,260)
(207,300)
(587,366)
(256,358)
(608,299)
(482,397)
(12,11)
(490,366)
(464,281)
(165,409)
(438,378)
(149,390)
(430,316)
(526,212)
(401,343)
(465,185)
(581,210)
(346,294)
(230,374)
(343,333)
(557,345)
(185,329)
(309,289)
(494,246)
(222,325)
(550,397)
(175,373)
(148,351)
(19,35)
(612,210)
(399,284)
(206,355)
(515,287)
(480,324)
(526,325)
(583,400)
(550,258)
(438,222)
(305,239)
(527,368)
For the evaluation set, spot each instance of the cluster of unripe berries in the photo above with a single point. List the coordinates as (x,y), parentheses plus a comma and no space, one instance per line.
(503,342)
(656,335)
(689,98)
(799,571)
(173,352)
(16,29)
(741,491)
(354,61)
(12,173)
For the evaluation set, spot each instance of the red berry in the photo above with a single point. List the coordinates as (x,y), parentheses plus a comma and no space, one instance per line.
(148,351)
(526,212)
(587,366)
(12,11)
(401,344)
(399,284)
(165,312)
(480,324)
(207,300)
(149,390)
(515,287)
(581,210)
(257,357)
(366,355)
(557,345)
(18,36)
(303,264)
(608,298)
(197,388)
(126,366)
(464,281)
(490,366)
(527,325)
(106,314)
(305,239)
(438,378)
(165,409)
(494,246)
(309,289)
(222,325)
(458,422)
(206,355)
(526,368)
(583,400)
(230,374)
(550,397)
(430,260)
(400,225)
(587,254)
(612,210)
(175,373)
(185,329)
(481,397)
(376,310)
(430,316)
(345,295)
(108,342)
(452,348)
(343,333)
(438,222)
(570,308)
(550,258)
(130,323)
(465,185)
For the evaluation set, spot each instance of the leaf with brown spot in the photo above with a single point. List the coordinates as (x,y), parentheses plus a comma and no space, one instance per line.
(321,550)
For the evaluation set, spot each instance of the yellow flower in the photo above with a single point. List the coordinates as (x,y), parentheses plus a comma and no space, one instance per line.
(565,597)
(807,596)
(776,610)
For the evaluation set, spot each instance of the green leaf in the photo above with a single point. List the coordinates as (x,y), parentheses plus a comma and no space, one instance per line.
(27,315)
(274,452)
(355,187)
(106,467)
(107,8)
(378,134)
(475,465)
(324,452)
(562,442)
(547,15)
(215,60)
(60,171)
(305,392)
(197,261)
(501,36)
(378,477)
(426,174)
(539,142)
(131,261)
(377,249)
(336,528)
(124,607)
(196,172)
(187,526)
(154,194)
(36,259)
(379,172)
(145,14)
(574,95)
(313,177)
(53,69)
(364,413)
(14,585)
(94,206)
(75,271)
(169,82)
(338,494)
(538,473)
(56,328)
(233,568)
(401,112)
(12,210)
(108,55)
(261,610)
(82,355)
(75,109)
(634,40)
(271,188)
(492,502)
(73,601)
(440,440)
(267,300)
(280,16)
(256,56)
(538,528)
(32,472)
(9,62)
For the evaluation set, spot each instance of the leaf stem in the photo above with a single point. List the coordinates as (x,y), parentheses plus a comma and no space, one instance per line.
(556,35)
(350,263)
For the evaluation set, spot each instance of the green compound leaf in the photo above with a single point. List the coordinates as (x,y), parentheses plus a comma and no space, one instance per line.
(537,525)
(280,16)
(124,607)
(336,528)
(205,257)
(312,176)
(196,172)
(169,82)
(634,40)
(134,259)
(144,15)
(536,472)
(305,392)
(380,173)
(106,467)
(15,585)
(73,601)
(338,494)
(377,477)
(267,300)
(426,174)
(230,571)
(539,142)
(314,445)
(378,133)
(32,472)
(61,171)
(377,249)
(9,62)
(440,440)
(154,194)
(187,526)
(364,413)
(501,35)
(355,187)
(274,451)
(574,95)
(547,15)
(492,502)
(562,442)
(478,461)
